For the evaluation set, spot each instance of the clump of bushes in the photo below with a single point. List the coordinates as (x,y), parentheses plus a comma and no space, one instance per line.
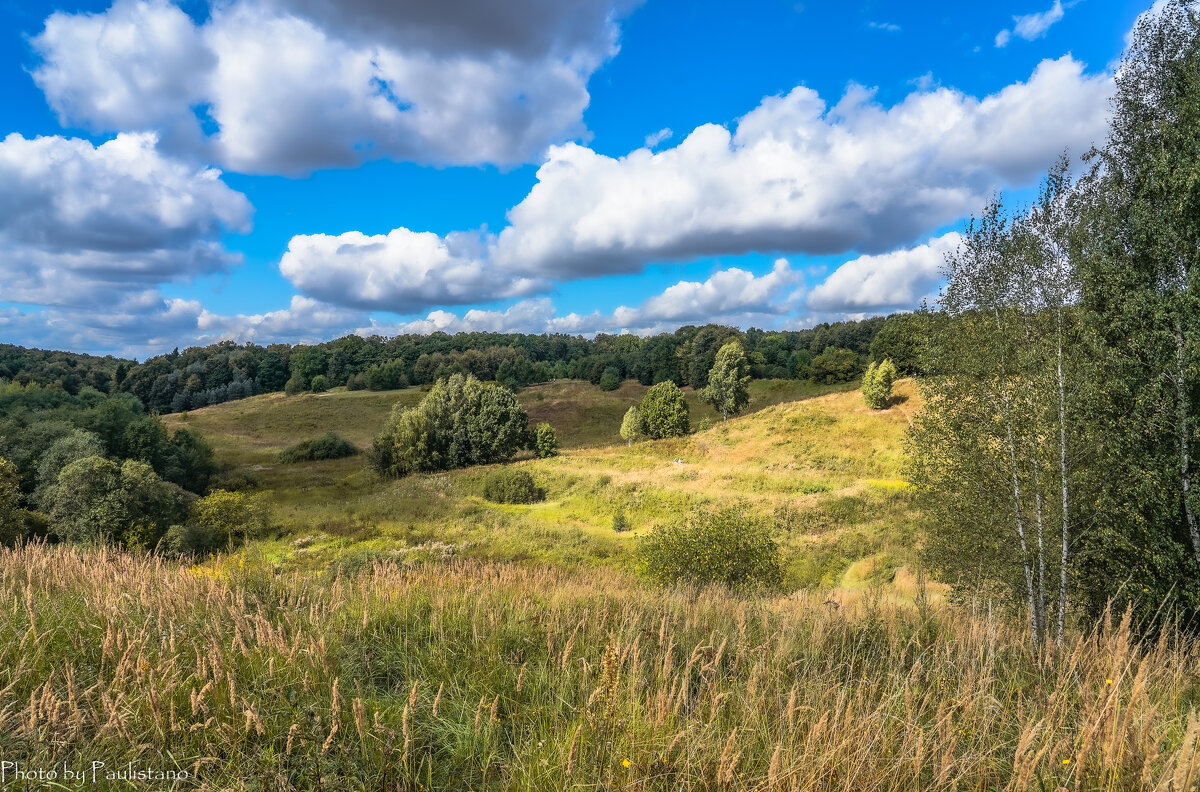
(460,422)
(328,446)
(512,486)
(877,385)
(729,547)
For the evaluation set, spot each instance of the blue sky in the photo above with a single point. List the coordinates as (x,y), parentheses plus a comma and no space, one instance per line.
(292,170)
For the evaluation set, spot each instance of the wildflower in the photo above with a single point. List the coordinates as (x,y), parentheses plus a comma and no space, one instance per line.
(625,763)
(1066,761)
(1108,681)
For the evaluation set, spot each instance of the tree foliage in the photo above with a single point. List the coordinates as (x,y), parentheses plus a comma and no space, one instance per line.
(631,425)
(664,412)
(877,384)
(727,389)
(545,441)
(460,422)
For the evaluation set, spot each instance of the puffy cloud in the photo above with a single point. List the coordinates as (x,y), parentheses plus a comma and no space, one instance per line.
(730,296)
(403,271)
(81,223)
(288,86)
(887,27)
(799,176)
(727,292)
(898,279)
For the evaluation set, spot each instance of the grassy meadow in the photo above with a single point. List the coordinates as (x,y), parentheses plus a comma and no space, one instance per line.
(410,635)
(814,460)
(470,675)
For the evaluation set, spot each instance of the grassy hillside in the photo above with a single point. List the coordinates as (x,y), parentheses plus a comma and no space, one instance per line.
(818,463)
(485,676)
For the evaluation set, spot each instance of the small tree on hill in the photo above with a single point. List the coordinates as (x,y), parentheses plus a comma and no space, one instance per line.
(728,380)
(664,412)
(545,441)
(460,422)
(631,425)
(230,515)
(877,384)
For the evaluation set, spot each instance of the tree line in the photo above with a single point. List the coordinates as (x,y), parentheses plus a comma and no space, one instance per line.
(1056,450)
(200,376)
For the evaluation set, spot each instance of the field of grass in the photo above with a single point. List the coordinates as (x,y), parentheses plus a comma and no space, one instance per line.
(814,460)
(470,675)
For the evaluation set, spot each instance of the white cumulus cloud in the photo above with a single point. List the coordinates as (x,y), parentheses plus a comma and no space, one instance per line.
(402,271)
(797,175)
(898,279)
(289,86)
(80,223)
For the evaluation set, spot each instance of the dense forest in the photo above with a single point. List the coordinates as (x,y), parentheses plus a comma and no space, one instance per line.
(201,376)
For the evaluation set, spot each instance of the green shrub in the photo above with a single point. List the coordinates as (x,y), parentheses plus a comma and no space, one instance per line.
(620,523)
(877,385)
(319,384)
(704,425)
(610,380)
(545,441)
(187,541)
(229,516)
(293,386)
(356,383)
(328,446)
(728,547)
(460,422)
(512,486)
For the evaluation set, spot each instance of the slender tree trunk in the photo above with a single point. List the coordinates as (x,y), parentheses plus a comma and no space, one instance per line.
(1018,516)
(1185,474)
(1062,472)
(1039,514)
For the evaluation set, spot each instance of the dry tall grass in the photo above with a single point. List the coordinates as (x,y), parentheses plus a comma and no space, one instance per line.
(489,676)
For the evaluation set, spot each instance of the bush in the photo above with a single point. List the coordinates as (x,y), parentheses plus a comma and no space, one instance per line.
(512,486)
(293,386)
(545,441)
(620,523)
(704,425)
(356,383)
(728,547)
(877,385)
(461,422)
(328,446)
(229,516)
(664,412)
(187,541)
(320,384)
